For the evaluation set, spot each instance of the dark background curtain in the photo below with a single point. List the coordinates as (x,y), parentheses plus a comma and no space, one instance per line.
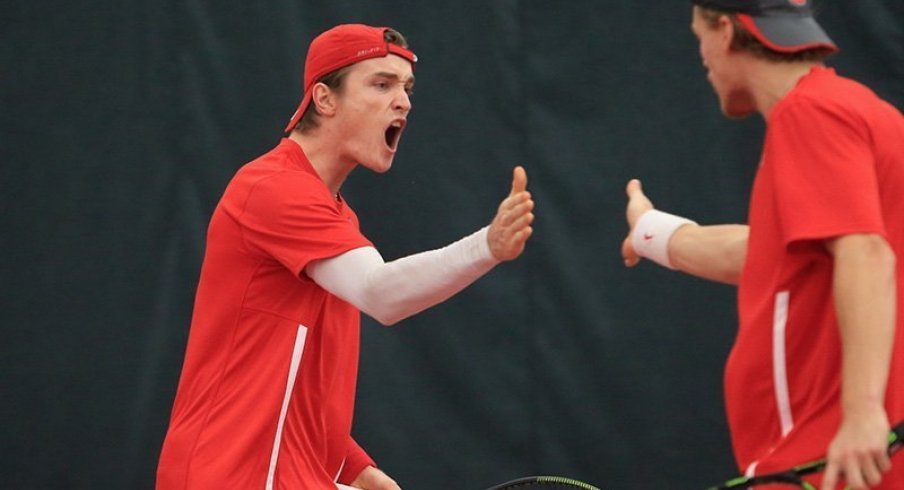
(122,122)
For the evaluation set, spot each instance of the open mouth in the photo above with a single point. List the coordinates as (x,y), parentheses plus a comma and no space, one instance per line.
(394,133)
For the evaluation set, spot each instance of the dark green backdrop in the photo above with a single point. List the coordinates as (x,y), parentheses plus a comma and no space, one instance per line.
(122,122)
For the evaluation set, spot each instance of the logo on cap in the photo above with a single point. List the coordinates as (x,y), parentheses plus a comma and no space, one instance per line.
(366,52)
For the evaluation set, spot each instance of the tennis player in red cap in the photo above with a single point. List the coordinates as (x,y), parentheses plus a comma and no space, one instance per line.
(817,368)
(267,390)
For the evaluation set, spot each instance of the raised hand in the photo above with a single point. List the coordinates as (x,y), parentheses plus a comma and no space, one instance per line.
(637,205)
(511,227)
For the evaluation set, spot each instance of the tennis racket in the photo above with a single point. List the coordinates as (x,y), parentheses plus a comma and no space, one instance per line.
(546,482)
(794,476)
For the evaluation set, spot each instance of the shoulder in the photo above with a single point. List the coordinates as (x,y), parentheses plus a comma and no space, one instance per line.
(268,185)
(288,192)
(827,95)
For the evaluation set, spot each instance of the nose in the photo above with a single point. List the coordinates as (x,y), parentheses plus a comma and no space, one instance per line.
(402,101)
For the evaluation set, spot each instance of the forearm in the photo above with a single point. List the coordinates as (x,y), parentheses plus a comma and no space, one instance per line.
(865,297)
(715,252)
(391,291)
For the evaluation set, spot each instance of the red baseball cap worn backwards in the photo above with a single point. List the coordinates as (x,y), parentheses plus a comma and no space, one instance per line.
(786,26)
(339,47)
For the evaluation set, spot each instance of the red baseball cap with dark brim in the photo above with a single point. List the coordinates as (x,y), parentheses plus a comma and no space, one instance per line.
(785,26)
(339,47)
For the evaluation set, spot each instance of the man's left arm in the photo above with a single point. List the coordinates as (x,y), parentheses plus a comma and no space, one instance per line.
(864,292)
(361,472)
(372,478)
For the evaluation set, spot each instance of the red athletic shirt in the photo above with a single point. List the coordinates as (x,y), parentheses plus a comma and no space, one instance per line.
(832,164)
(267,389)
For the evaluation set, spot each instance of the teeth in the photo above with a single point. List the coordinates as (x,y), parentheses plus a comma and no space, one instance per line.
(396,124)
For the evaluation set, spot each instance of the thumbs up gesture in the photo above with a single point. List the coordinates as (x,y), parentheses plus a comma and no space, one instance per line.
(511,227)
(638,203)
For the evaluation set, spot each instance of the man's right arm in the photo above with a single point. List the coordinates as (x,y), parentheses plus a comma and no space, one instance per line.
(391,291)
(715,252)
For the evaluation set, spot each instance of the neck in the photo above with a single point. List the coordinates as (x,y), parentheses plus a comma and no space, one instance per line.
(325,157)
(771,82)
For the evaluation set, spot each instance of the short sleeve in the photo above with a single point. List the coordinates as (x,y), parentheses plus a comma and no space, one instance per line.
(824,172)
(356,460)
(289,216)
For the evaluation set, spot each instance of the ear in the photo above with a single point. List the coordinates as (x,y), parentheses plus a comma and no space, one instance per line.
(726,32)
(324,99)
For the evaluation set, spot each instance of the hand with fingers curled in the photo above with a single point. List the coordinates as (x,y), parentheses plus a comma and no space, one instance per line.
(510,229)
(858,455)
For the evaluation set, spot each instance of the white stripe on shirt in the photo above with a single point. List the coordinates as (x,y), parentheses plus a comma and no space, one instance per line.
(779,362)
(290,384)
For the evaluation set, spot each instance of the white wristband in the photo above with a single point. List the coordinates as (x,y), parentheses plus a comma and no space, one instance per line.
(652,233)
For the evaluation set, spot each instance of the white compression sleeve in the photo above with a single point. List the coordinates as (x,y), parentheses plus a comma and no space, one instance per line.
(391,291)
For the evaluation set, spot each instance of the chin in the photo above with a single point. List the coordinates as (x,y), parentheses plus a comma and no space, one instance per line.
(735,113)
(737,106)
(380,167)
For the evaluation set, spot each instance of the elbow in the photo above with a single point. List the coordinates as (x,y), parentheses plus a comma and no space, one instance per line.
(385,320)
(891,264)
(865,252)
(376,306)
(384,316)
(890,260)
(732,278)
(882,255)
(890,257)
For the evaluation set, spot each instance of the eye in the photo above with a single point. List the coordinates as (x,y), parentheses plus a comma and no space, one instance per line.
(409,91)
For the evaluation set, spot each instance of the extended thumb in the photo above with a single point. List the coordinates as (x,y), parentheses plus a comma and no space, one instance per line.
(519,180)
(634,188)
